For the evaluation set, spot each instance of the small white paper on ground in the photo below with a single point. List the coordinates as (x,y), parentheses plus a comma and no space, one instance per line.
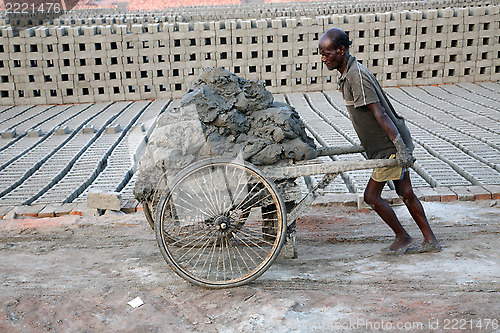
(136,302)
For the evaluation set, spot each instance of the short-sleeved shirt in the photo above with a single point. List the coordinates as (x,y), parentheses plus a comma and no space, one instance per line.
(360,88)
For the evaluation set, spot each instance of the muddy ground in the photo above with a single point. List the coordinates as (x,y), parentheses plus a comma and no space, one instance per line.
(76,274)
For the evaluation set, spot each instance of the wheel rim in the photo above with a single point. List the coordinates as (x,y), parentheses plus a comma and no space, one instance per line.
(212,224)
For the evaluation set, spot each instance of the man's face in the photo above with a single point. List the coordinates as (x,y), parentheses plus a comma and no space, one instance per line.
(330,56)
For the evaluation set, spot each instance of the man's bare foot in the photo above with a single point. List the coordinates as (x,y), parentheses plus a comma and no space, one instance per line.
(424,247)
(399,246)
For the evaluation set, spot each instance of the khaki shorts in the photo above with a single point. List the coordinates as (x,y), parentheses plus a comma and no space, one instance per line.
(388,173)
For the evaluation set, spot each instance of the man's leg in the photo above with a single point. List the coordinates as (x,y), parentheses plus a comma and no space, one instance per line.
(405,191)
(384,210)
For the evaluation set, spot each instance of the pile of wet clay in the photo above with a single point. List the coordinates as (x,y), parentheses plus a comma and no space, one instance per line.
(222,114)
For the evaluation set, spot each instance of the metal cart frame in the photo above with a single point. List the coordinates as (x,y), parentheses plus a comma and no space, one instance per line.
(222,222)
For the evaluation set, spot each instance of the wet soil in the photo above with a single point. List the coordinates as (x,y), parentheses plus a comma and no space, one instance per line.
(76,274)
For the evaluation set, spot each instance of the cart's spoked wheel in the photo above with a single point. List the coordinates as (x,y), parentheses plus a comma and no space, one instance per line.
(268,223)
(209,225)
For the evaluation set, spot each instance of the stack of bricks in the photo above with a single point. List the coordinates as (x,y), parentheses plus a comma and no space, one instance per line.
(203,10)
(115,62)
(438,194)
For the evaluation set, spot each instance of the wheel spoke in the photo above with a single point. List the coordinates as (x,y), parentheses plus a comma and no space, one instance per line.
(201,254)
(250,247)
(243,187)
(214,199)
(256,237)
(249,256)
(249,239)
(249,192)
(229,257)
(212,250)
(243,259)
(221,224)
(255,205)
(199,248)
(209,200)
(219,262)
(190,204)
(202,235)
(201,199)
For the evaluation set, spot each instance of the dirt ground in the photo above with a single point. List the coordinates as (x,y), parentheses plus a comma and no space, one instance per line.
(76,274)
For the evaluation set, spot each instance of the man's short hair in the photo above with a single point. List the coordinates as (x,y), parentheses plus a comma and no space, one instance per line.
(342,40)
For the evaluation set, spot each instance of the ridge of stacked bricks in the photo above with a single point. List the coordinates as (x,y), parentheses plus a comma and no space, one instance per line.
(428,194)
(76,64)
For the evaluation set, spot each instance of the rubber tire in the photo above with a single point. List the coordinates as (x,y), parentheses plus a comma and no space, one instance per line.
(278,244)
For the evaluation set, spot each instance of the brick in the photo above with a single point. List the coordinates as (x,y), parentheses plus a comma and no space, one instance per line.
(446,194)
(61,130)
(494,190)
(35,133)
(362,205)
(113,129)
(88,130)
(90,212)
(8,134)
(4,210)
(479,192)
(64,209)
(463,193)
(78,209)
(11,214)
(47,211)
(427,194)
(28,211)
(341,199)
(103,200)
(129,206)
(392,197)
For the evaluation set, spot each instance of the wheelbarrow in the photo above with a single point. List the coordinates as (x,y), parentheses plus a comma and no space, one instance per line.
(221,222)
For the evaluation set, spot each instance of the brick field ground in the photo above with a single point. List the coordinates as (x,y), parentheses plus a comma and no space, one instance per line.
(53,154)
(76,274)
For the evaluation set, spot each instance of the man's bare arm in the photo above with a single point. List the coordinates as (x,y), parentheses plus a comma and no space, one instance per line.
(384,120)
(403,156)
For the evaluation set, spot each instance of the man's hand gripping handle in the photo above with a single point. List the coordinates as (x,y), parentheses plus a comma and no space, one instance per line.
(403,155)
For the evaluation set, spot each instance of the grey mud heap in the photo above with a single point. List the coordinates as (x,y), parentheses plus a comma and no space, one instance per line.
(222,114)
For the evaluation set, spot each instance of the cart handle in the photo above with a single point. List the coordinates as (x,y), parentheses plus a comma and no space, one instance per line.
(328,151)
(295,171)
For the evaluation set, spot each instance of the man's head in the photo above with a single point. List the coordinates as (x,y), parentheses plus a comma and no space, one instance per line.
(334,48)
